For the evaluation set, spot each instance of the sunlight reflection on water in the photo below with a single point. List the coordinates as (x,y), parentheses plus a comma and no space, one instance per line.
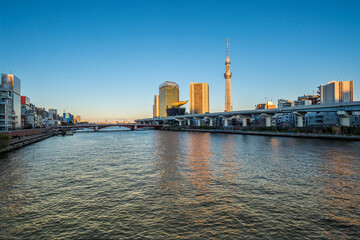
(159,184)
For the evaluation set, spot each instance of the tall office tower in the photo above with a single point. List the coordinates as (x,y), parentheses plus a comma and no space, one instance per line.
(12,83)
(53,114)
(156,106)
(199,98)
(337,92)
(227,76)
(168,94)
(78,119)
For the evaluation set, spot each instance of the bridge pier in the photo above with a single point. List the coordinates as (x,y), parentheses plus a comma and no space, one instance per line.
(225,120)
(344,118)
(179,120)
(244,120)
(300,119)
(211,121)
(198,121)
(268,119)
(188,121)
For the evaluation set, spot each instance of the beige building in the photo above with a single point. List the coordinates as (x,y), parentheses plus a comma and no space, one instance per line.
(156,112)
(337,92)
(267,105)
(78,119)
(199,98)
(168,94)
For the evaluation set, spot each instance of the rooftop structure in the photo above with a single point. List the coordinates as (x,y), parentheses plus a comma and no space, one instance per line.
(314,99)
(282,103)
(267,105)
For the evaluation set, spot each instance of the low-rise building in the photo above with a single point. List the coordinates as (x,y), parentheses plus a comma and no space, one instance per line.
(284,120)
(302,102)
(267,105)
(322,119)
(282,103)
(313,99)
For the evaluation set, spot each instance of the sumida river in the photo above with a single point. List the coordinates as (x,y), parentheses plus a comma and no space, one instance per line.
(180,185)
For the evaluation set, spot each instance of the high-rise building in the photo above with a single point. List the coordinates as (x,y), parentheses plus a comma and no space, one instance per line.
(199,98)
(156,112)
(227,75)
(168,94)
(53,114)
(27,116)
(336,92)
(77,119)
(67,117)
(11,83)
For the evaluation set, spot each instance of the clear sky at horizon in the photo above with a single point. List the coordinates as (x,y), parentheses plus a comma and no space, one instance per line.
(105,59)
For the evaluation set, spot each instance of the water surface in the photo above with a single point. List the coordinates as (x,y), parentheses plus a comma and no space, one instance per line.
(167,185)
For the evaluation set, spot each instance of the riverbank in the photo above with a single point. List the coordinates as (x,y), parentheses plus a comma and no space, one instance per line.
(13,140)
(22,142)
(273,134)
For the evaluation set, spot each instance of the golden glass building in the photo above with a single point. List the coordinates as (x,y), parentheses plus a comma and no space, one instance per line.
(168,94)
(199,98)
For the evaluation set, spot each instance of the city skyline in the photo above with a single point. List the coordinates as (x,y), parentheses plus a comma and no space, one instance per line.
(88,62)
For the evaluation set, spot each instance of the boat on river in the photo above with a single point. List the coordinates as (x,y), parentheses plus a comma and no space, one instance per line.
(69,133)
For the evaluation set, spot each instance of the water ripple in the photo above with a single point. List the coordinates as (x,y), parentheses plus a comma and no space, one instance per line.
(178,185)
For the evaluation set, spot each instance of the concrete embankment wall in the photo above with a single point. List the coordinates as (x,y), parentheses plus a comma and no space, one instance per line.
(26,132)
(275,134)
(18,143)
(21,138)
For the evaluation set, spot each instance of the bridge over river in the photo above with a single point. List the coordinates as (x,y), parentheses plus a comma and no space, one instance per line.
(97,127)
(344,111)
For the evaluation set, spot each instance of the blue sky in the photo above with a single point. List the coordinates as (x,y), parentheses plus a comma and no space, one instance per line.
(106,59)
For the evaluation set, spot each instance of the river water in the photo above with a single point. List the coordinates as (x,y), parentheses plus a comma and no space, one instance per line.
(183,185)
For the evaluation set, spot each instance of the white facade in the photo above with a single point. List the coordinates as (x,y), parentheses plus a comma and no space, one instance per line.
(337,92)
(156,110)
(302,103)
(5,109)
(282,103)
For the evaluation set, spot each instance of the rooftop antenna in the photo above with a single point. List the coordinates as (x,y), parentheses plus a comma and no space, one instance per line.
(227,47)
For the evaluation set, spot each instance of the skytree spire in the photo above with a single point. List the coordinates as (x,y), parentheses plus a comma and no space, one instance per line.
(227,76)
(227,47)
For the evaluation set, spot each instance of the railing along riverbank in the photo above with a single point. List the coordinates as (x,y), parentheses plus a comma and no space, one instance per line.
(267,133)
